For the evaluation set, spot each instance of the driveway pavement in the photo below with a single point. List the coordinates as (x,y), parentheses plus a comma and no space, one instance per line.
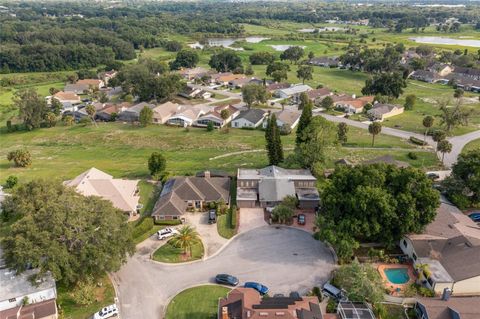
(211,240)
(458,143)
(284,259)
(251,218)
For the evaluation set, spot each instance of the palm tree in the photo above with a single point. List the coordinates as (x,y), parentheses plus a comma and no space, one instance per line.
(427,123)
(375,128)
(186,238)
(443,147)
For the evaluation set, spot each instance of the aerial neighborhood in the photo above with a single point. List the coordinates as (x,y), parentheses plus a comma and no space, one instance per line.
(239,160)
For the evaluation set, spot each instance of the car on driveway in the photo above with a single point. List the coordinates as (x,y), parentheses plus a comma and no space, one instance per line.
(475,216)
(166,233)
(263,290)
(225,279)
(212,216)
(107,312)
(301,219)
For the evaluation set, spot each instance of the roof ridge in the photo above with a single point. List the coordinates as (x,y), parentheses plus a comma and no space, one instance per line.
(195,189)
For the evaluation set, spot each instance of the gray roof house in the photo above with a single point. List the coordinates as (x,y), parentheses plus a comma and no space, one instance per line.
(180,194)
(132,114)
(289,118)
(380,111)
(267,187)
(453,308)
(450,249)
(249,118)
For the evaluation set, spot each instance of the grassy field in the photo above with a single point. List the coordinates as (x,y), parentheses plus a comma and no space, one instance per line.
(104,295)
(122,150)
(198,302)
(168,253)
(474,145)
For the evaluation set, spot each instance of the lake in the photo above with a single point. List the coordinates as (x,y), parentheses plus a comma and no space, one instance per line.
(283,47)
(227,42)
(447,41)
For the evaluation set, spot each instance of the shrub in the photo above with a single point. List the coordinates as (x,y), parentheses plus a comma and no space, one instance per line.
(84,292)
(210,126)
(173,222)
(317,292)
(232,217)
(21,158)
(142,227)
(425,292)
(331,306)
(11,181)
(412,155)
(417,141)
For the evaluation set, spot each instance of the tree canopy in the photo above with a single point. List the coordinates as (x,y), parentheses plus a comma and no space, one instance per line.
(378,203)
(389,84)
(67,234)
(225,61)
(185,59)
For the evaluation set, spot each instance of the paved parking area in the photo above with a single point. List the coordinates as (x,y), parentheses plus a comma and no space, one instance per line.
(251,218)
(283,258)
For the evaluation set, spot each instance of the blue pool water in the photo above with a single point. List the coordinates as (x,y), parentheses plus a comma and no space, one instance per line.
(397,275)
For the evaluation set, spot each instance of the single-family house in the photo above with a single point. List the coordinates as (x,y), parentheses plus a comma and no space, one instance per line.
(292,92)
(81,86)
(354,310)
(187,115)
(122,193)
(195,93)
(239,83)
(193,73)
(215,117)
(466,83)
(163,112)
(442,69)
(426,76)
(317,95)
(132,114)
(247,303)
(380,111)
(110,111)
(69,100)
(267,187)
(325,61)
(453,308)
(467,72)
(180,194)
(225,79)
(273,87)
(353,105)
(447,252)
(251,118)
(17,287)
(107,76)
(289,118)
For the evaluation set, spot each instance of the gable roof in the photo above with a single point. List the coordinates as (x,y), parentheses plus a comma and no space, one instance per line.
(313,94)
(61,96)
(382,109)
(295,89)
(288,116)
(437,308)
(277,86)
(253,115)
(177,191)
(120,192)
(137,108)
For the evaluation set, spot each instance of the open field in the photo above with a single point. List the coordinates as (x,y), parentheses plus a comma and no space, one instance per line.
(123,150)
(198,302)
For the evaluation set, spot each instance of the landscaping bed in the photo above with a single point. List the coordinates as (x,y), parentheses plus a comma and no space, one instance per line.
(198,302)
(168,253)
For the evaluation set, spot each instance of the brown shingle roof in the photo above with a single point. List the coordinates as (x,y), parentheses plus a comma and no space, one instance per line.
(467,307)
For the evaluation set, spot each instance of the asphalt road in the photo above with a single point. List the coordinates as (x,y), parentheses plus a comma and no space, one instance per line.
(283,259)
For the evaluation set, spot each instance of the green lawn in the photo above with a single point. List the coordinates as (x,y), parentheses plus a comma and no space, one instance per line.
(474,145)
(196,303)
(168,253)
(223,227)
(149,193)
(122,150)
(104,296)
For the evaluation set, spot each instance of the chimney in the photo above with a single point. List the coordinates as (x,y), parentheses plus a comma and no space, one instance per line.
(225,313)
(207,174)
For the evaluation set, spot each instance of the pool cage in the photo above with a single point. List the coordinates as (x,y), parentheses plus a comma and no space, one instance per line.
(354,310)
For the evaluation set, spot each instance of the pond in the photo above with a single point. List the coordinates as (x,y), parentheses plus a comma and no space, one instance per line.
(447,41)
(227,42)
(283,47)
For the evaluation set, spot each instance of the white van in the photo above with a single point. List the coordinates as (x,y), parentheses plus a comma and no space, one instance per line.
(166,233)
(107,312)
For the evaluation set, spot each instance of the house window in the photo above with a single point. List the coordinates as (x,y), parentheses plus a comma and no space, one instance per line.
(405,243)
(175,217)
(414,257)
(12,300)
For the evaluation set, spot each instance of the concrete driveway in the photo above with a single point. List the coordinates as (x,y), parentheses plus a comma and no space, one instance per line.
(211,240)
(250,218)
(283,258)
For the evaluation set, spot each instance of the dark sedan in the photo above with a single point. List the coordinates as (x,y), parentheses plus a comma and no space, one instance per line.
(225,279)
(263,290)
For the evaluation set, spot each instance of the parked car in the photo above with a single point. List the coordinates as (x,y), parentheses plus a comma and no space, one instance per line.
(263,290)
(295,295)
(107,312)
(166,233)
(225,279)
(433,176)
(212,216)
(301,219)
(475,217)
(333,292)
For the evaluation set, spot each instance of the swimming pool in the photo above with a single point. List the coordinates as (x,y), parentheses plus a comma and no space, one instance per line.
(397,276)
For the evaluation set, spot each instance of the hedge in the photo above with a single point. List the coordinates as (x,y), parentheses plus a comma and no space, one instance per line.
(141,228)
(172,222)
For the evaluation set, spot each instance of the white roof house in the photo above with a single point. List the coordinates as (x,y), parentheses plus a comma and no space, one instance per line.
(163,112)
(292,91)
(122,193)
